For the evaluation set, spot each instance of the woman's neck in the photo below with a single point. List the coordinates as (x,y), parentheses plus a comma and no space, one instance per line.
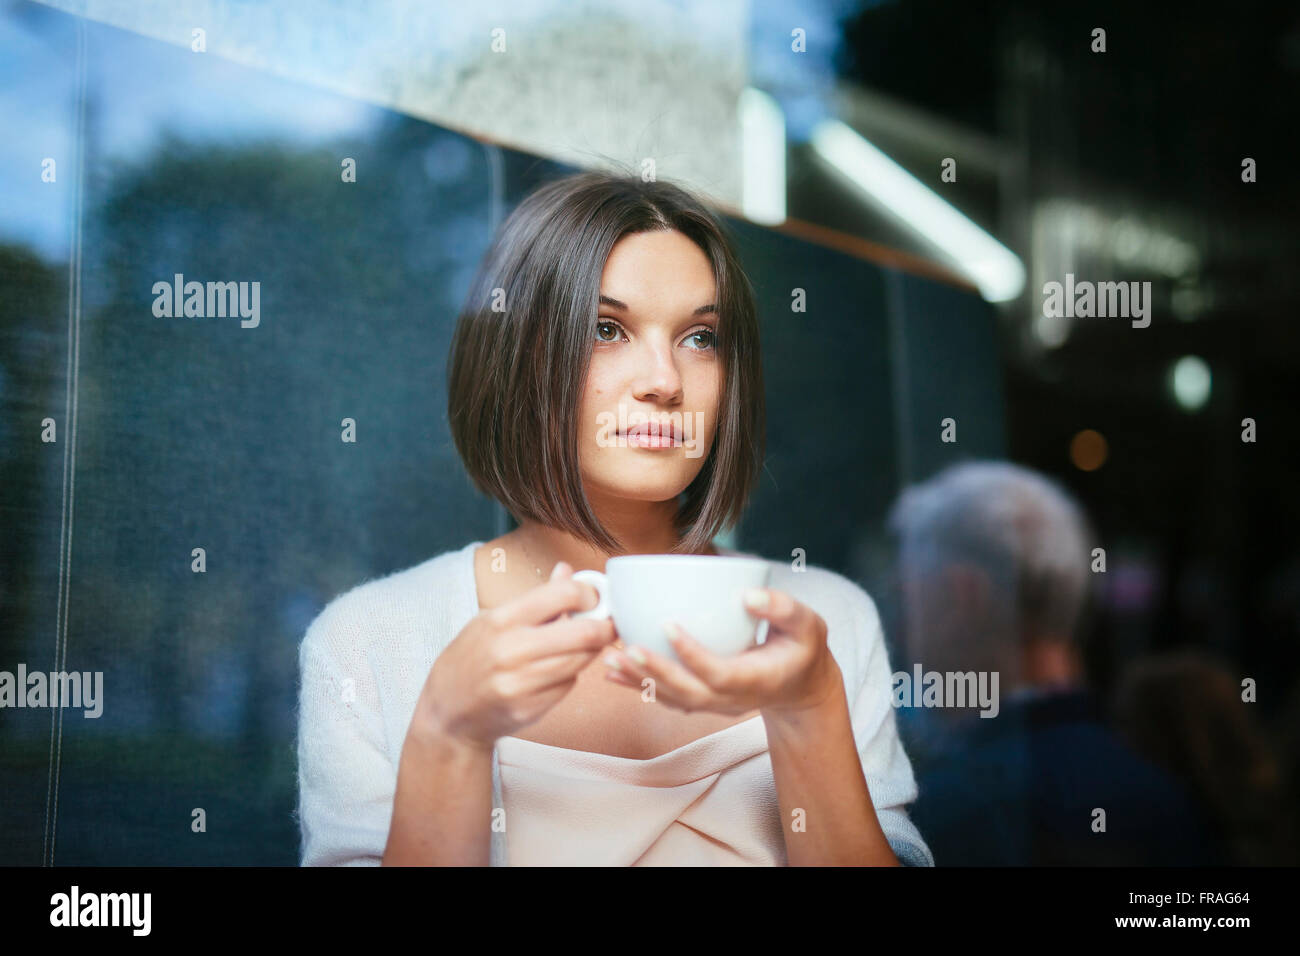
(647,530)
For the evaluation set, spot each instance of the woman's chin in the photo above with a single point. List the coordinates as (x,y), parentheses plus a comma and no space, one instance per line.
(637,488)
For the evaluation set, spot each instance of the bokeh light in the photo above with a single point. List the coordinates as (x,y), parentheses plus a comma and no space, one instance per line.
(1088,450)
(1189,380)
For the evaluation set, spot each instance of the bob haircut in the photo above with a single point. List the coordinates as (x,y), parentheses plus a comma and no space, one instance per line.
(522,347)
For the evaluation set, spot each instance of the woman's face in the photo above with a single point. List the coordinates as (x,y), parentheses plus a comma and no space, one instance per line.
(650,404)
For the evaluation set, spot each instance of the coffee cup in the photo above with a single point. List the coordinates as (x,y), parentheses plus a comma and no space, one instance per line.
(702,593)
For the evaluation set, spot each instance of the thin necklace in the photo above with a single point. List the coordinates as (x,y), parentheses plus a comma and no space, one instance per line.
(529,557)
(524,544)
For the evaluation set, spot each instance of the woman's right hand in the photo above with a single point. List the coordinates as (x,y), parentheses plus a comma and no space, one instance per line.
(510,664)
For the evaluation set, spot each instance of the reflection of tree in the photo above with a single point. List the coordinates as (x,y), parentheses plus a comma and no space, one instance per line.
(33,353)
(195,432)
(205,434)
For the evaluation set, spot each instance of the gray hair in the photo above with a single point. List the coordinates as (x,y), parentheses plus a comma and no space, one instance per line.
(1023,530)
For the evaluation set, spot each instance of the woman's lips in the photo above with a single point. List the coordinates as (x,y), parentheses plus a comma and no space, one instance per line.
(641,439)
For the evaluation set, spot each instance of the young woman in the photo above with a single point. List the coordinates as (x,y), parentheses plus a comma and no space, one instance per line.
(456,713)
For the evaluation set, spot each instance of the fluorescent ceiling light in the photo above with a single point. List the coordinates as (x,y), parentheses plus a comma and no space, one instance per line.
(762,151)
(996,270)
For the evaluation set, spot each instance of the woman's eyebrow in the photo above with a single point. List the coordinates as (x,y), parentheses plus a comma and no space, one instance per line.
(614,303)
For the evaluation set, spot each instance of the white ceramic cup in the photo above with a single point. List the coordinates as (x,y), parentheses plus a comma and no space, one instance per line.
(703,593)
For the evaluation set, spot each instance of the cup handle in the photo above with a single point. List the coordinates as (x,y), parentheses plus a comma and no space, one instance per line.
(597,581)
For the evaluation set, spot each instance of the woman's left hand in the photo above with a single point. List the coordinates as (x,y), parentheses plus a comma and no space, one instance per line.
(792,670)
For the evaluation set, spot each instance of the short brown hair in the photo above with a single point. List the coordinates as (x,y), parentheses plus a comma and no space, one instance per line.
(518,372)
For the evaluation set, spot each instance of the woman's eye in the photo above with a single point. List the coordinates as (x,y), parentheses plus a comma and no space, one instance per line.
(700,340)
(703,338)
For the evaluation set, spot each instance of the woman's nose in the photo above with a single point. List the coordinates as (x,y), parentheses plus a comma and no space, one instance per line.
(659,379)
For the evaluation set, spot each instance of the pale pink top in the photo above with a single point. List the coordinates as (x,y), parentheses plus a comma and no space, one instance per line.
(709,803)
(366,657)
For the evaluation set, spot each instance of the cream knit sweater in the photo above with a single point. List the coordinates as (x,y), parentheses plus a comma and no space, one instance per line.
(364,660)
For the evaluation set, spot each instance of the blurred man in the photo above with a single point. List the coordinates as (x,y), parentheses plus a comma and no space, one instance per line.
(994,569)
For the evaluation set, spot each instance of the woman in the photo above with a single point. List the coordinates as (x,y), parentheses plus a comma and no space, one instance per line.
(455,712)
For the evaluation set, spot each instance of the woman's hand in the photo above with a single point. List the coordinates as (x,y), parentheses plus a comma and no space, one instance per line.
(511,664)
(792,670)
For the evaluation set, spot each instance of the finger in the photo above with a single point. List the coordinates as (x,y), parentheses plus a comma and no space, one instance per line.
(629,675)
(682,686)
(724,675)
(562,636)
(662,691)
(618,677)
(546,601)
(590,596)
(552,671)
(783,612)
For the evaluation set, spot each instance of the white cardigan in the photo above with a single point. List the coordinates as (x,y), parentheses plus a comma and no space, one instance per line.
(364,661)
